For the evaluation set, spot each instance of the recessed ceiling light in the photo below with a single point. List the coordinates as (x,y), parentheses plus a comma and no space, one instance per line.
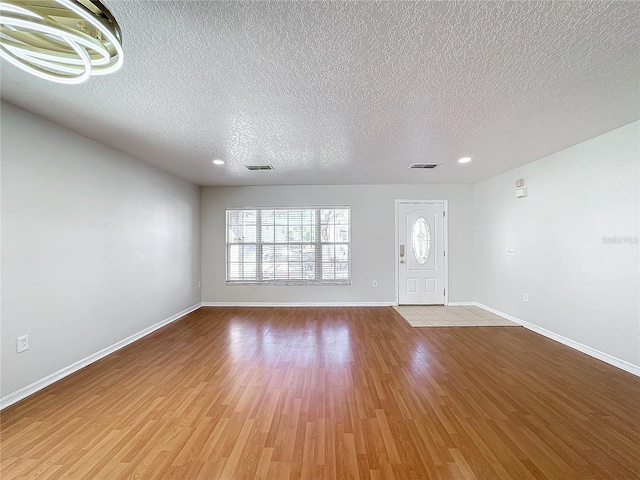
(464,160)
(217,161)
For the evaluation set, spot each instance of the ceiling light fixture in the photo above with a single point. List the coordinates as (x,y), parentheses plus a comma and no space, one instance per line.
(464,160)
(217,161)
(64,41)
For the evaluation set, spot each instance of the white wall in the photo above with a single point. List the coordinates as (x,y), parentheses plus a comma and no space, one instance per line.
(372,232)
(579,286)
(96,247)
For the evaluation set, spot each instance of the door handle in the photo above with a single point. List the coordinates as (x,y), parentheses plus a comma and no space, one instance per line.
(401,261)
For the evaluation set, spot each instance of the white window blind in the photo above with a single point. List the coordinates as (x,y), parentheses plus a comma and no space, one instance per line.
(293,245)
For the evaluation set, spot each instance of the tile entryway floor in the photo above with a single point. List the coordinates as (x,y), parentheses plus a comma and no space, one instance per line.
(439,316)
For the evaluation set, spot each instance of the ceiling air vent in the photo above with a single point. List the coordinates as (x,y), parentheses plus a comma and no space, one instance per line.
(259,167)
(423,165)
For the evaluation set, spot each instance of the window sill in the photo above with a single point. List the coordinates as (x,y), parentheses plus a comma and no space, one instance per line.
(284,283)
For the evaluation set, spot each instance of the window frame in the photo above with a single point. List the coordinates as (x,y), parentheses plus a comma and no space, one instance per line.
(317,243)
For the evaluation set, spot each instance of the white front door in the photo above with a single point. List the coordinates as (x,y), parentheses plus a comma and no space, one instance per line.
(421,254)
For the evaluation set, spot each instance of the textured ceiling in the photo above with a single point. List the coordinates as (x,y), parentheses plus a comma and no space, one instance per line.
(352,92)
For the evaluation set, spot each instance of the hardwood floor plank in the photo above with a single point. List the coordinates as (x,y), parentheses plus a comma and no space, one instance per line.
(211,449)
(327,393)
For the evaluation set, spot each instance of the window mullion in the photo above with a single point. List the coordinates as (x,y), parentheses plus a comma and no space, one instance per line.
(259,245)
(288,244)
(318,245)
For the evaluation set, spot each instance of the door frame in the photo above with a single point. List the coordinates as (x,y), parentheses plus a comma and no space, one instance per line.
(445,234)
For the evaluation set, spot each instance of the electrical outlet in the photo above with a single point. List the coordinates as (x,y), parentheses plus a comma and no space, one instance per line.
(22,343)
(526,297)
(375,283)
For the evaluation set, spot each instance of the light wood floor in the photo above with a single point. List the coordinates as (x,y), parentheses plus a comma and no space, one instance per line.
(230,393)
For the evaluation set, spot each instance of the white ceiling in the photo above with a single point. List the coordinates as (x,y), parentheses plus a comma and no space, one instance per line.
(352,92)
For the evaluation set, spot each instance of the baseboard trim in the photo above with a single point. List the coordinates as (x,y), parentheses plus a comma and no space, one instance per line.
(461,304)
(605,357)
(298,304)
(38,385)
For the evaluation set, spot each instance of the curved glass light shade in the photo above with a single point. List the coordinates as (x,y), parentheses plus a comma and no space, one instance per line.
(64,41)
(421,240)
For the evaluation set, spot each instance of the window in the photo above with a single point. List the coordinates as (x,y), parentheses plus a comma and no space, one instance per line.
(421,240)
(293,245)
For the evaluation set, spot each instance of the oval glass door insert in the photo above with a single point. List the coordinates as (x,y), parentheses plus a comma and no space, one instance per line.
(421,240)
